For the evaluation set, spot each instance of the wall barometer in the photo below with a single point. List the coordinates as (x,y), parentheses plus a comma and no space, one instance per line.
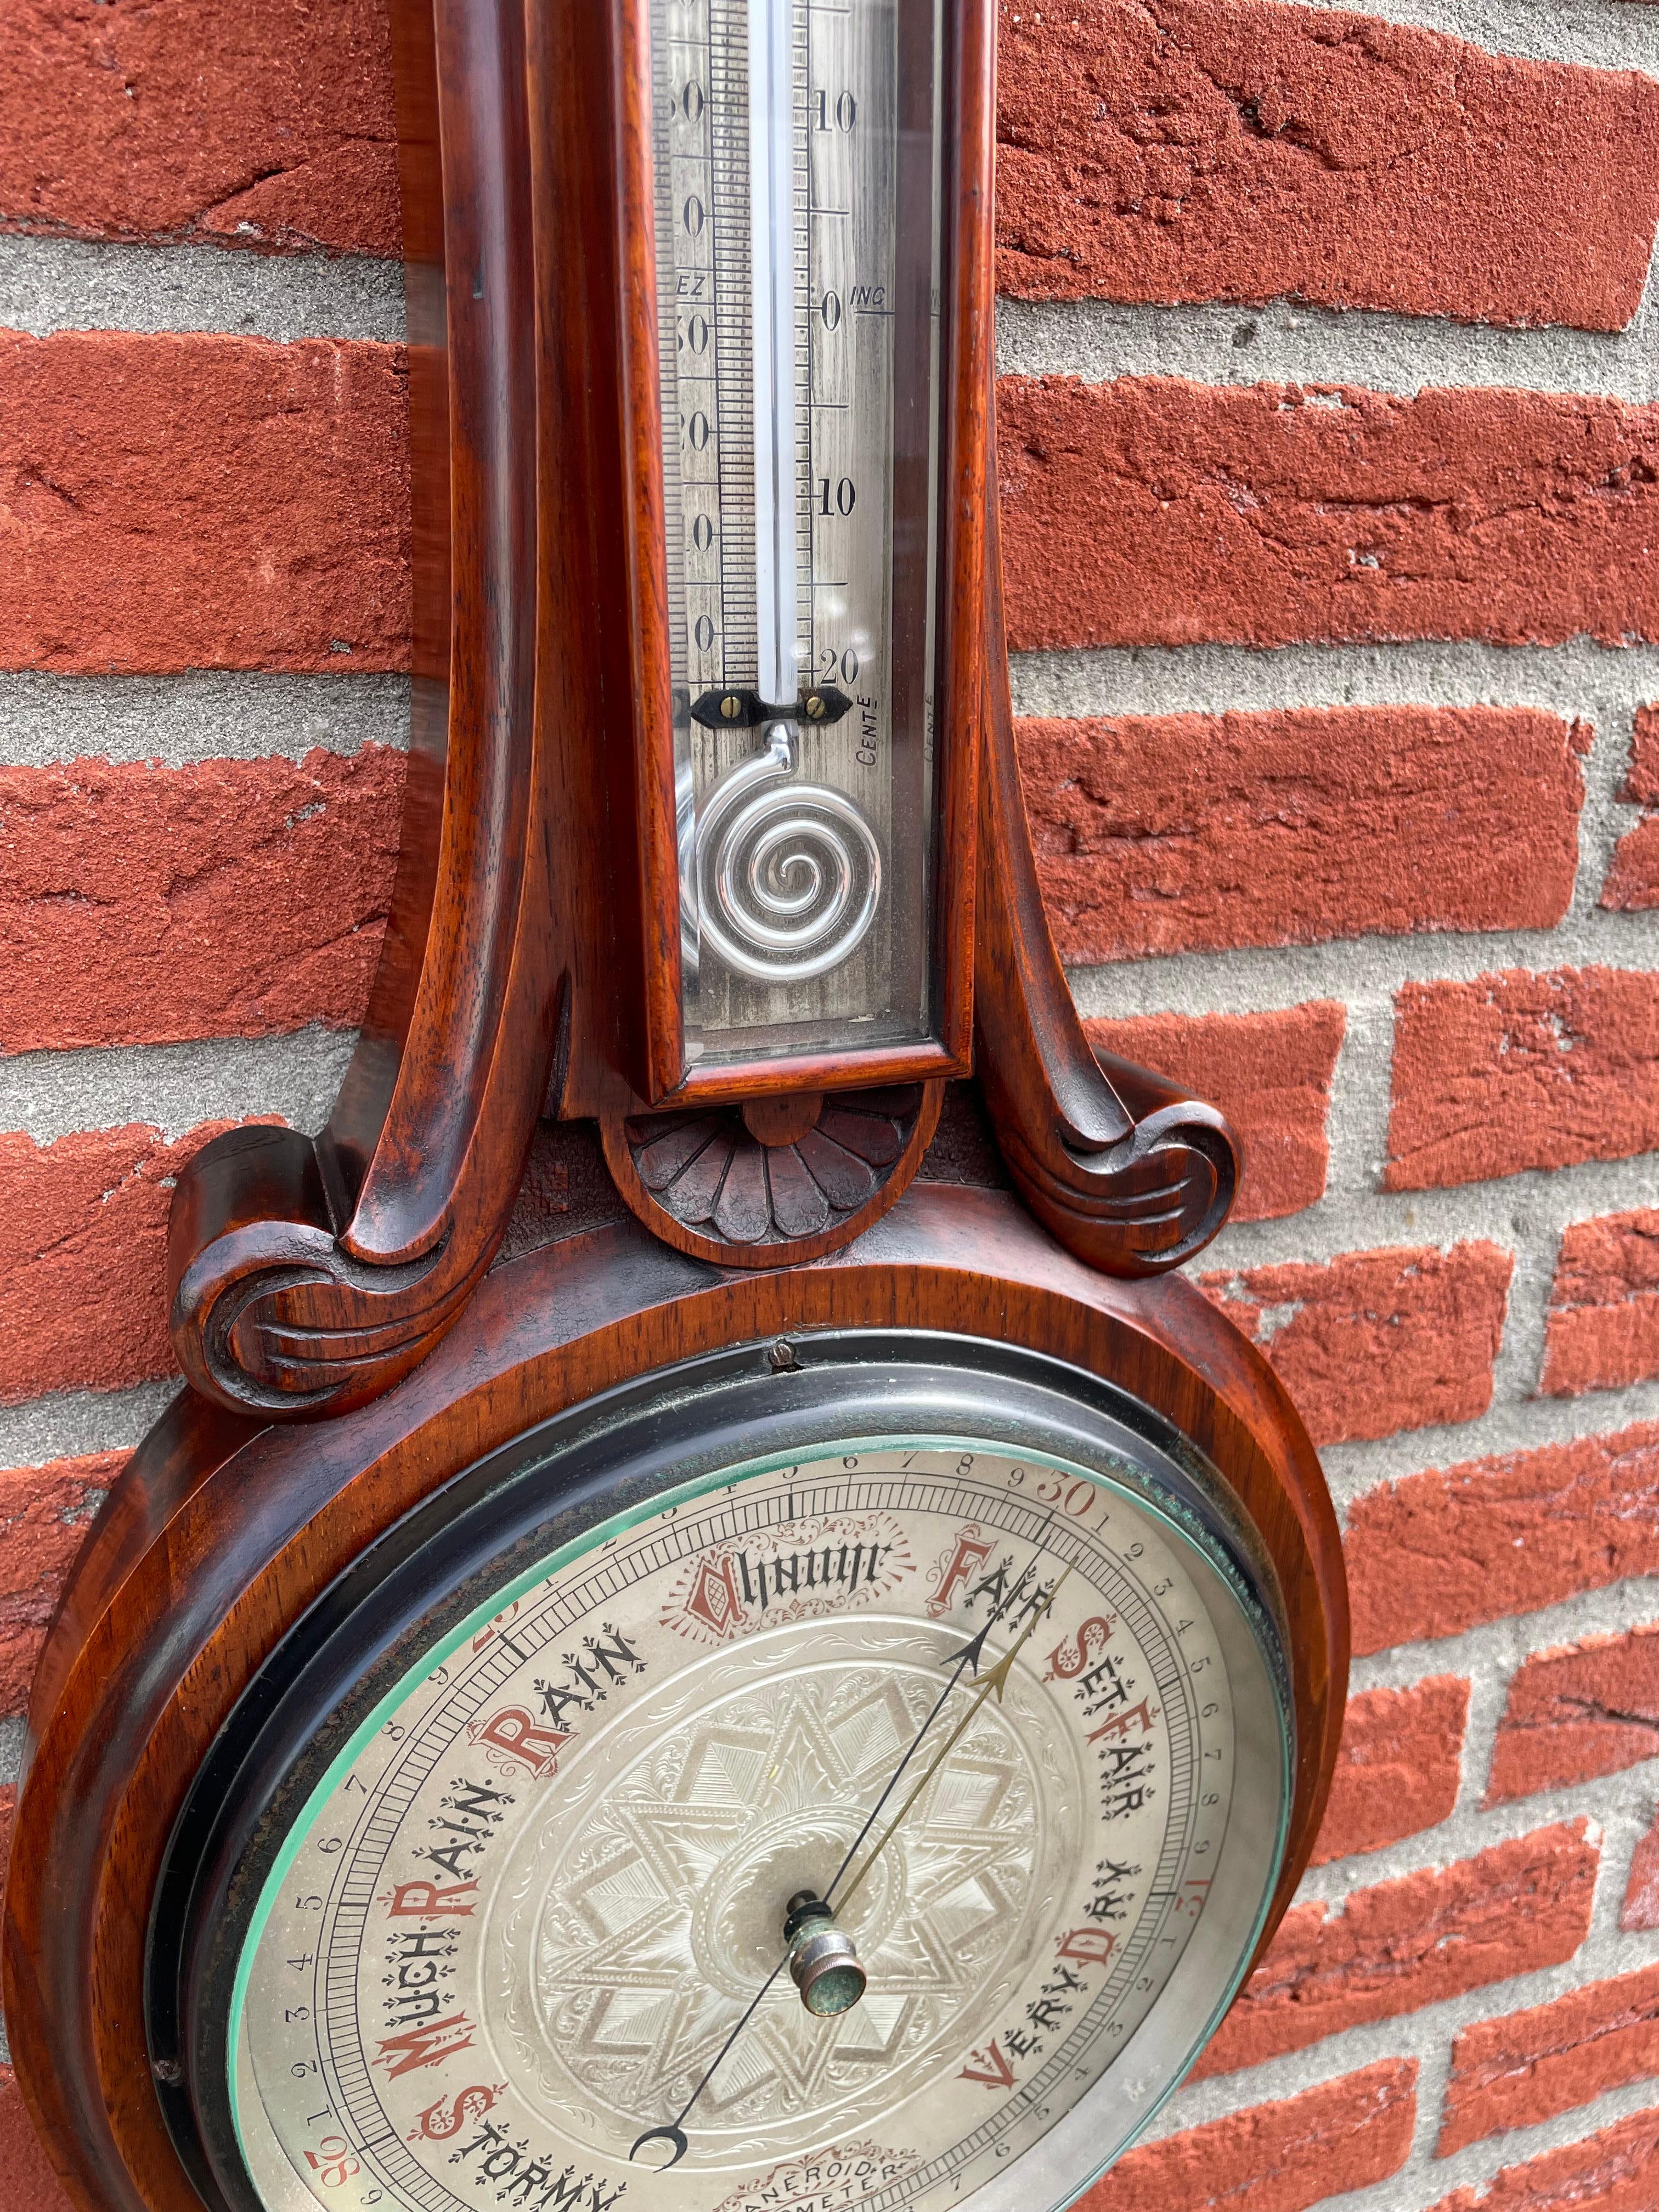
(716,1629)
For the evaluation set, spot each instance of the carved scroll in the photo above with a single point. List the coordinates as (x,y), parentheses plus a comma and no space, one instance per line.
(1131,1174)
(307,1275)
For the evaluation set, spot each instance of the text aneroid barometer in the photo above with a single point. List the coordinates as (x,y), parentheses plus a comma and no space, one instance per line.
(715,1630)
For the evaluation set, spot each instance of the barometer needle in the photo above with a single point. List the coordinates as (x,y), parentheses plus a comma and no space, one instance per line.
(970,1655)
(673,2133)
(995,1681)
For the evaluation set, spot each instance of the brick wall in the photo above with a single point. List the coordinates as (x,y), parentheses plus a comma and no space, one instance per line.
(1338,634)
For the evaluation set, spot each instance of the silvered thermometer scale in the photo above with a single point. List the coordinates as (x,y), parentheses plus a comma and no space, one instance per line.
(796,170)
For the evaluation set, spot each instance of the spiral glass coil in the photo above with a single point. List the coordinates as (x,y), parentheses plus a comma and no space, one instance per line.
(788,874)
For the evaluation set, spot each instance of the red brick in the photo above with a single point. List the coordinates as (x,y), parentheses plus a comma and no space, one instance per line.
(1374,1342)
(1183,832)
(1406,1944)
(1641,785)
(45,1513)
(1518,1071)
(1586,1710)
(83,1225)
(1271,1075)
(1617,2170)
(1145,155)
(1632,879)
(270,122)
(1603,1322)
(1632,883)
(224,897)
(1398,1768)
(31,2185)
(8,1809)
(213,503)
(1436,1553)
(1519,2071)
(1137,159)
(243,504)
(1641,1905)
(1196,149)
(1150,511)
(1283,2157)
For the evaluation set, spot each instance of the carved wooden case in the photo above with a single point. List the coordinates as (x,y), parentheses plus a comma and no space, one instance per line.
(531,964)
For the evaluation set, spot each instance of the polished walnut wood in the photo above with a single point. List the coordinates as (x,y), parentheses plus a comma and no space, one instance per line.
(223,1530)
(532,956)
(782,1120)
(530,970)
(306,1276)
(1128,1169)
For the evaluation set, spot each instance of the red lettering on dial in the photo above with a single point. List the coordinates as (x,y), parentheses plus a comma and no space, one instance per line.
(1093,1946)
(989,2067)
(333,2163)
(1068,1659)
(1114,1730)
(490,1628)
(714,1599)
(424,2046)
(428,1900)
(511,1737)
(448,2117)
(971,1551)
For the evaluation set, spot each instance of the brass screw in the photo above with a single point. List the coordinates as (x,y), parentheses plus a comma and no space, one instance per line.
(814,706)
(731,706)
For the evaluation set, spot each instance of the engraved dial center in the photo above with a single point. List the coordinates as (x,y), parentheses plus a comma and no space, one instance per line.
(654,1901)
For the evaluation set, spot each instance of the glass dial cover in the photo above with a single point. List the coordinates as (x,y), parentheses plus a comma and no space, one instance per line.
(501,1936)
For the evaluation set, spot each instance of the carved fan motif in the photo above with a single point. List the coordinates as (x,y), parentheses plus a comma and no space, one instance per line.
(772,1180)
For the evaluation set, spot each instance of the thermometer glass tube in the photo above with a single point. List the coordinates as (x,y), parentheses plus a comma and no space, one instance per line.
(797,179)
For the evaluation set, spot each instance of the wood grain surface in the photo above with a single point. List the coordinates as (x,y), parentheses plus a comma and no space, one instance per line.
(305,1276)
(1129,1171)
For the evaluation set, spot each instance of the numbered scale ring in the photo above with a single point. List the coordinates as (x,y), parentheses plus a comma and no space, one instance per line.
(476,1899)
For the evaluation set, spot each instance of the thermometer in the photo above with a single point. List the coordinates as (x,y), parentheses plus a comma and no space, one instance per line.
(797,175)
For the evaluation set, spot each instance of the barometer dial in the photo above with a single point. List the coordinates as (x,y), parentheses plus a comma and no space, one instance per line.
(880,1825)
(797,177)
